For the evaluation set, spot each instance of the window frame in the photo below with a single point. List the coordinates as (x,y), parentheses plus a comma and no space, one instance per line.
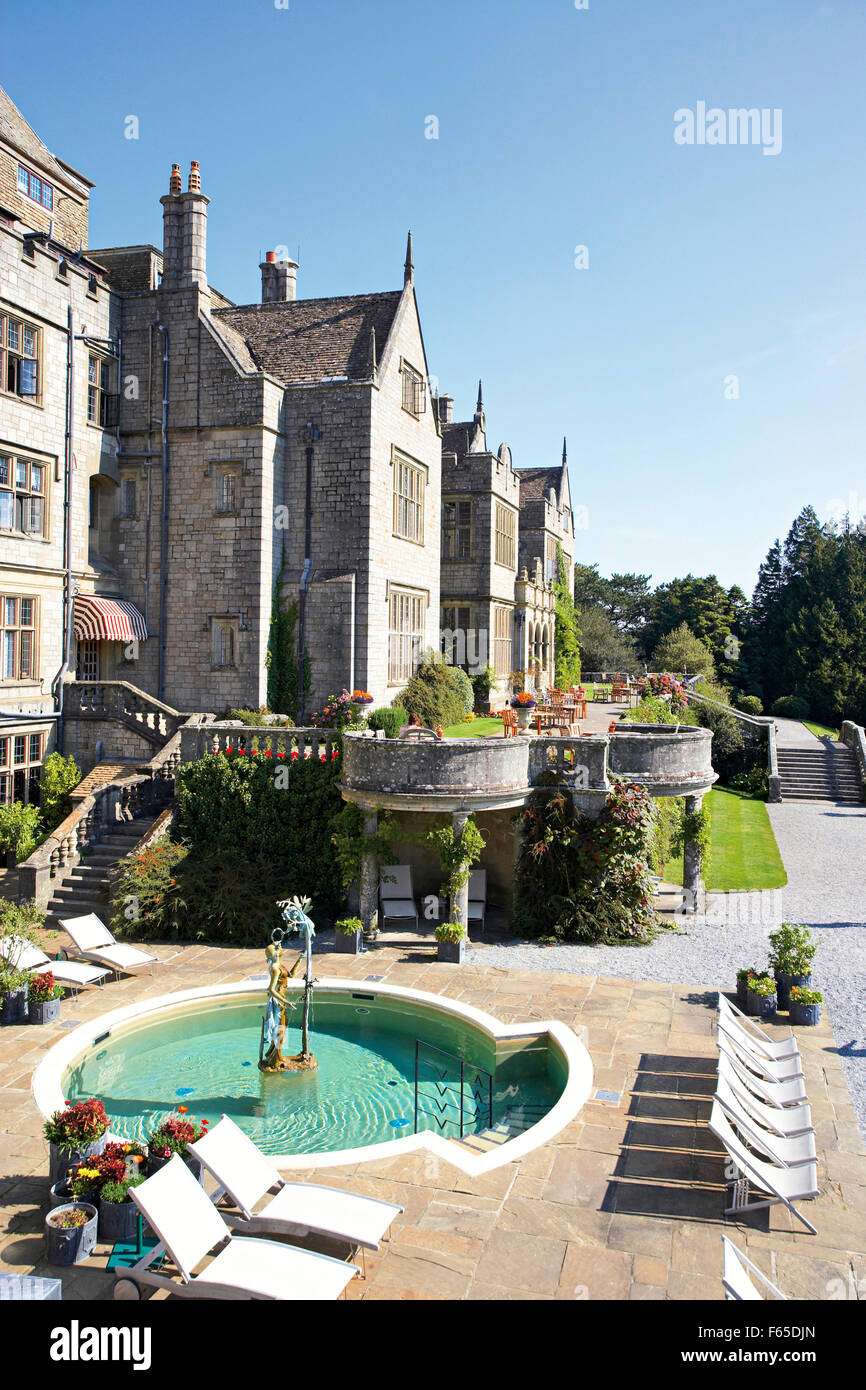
(229,628)
(406,608)
(10,353)
(453,532)
(413,390)
(503,642)
(32,179)
(99,391)
(505,537)
(18,630)
(406,506)
(222,476)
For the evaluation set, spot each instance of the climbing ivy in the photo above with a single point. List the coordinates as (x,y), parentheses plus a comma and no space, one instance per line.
(457,854)
(281,660)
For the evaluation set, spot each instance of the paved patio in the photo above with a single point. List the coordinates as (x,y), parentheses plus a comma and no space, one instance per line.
(627,1202)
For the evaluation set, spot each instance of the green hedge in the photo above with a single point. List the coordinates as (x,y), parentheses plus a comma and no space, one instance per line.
(391,719)
(433,695)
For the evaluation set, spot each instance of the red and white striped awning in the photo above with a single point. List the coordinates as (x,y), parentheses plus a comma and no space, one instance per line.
(108,619)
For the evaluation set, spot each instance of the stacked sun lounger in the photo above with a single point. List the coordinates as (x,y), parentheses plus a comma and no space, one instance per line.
(762,1116)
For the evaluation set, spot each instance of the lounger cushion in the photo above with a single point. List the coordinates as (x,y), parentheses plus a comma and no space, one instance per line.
(309,1207)
(88,932)
(267,1269)
(399,907)
(124,957)
(476,912)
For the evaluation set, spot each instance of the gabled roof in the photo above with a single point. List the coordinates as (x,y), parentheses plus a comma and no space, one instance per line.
(535,483)
(305,341)
(458,437)
(15,131)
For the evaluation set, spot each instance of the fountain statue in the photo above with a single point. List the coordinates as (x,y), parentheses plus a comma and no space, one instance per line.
(294,911)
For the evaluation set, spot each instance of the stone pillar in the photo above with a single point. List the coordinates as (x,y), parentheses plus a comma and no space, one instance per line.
(370,879)
(691,862)
(459,907)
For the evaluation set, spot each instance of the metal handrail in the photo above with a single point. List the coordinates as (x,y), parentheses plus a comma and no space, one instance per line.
(446,1086)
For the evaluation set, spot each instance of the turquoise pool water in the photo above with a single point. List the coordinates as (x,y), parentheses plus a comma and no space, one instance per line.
(206,1057)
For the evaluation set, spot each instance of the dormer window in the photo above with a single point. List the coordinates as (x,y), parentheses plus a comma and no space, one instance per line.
(33,186)
(414,390)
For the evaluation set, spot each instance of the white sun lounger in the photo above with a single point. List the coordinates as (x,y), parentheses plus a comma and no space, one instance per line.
(735,1279)
(785,1185)
(788,1069)
(742,1026)
(396,894)
(477,891)
(789,1151)
(74,973)
(780,1094)
(94,941)
(189,1228)
(248,1175)
(787,1123)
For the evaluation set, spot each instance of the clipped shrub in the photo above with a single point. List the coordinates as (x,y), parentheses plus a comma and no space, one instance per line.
(482,684)
(464,685)
(791,707)
(390,718)
(433,695)
(749,704)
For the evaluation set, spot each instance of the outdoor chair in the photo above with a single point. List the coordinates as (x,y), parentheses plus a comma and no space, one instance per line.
(477,908)
(94,942)
(509,723)
(780,1069)
(783,1185)
(72,973)
(789,1151)
(396,894)
(787,1123)
(735,1279)
(740,1025)
(247,1176)
(189,1228)
(779,1094)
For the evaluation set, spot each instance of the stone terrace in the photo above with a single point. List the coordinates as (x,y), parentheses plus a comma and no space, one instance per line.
(627,1202)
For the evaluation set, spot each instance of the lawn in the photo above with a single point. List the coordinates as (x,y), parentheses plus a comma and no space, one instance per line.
(743,850)
(820,730)
(479,728)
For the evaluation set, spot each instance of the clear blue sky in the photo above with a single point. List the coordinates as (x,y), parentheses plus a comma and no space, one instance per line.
(555,130)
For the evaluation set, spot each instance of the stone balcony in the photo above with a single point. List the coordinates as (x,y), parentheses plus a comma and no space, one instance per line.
(472,774)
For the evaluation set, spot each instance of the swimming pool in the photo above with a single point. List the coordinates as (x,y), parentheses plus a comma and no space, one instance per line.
(393,1064)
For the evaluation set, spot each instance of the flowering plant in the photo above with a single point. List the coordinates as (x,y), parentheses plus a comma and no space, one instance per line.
(69,1220)
(77,1126)
(337,711)
(83,1180)
(174,1134)
(362,697)
(43,988)
(524,697)
(118,1192)
(666,684)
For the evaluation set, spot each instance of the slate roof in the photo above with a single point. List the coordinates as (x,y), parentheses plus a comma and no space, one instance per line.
(457,437)
(305,340)
(535,483)
(15,131)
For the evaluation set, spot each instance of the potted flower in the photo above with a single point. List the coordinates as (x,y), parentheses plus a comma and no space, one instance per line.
(451,938)
(349,936)
(117,1211)
(18,922)
(805,1006)
(761,997)
(524,702)
(361,702)
(172,1136)
(43,998)
(742,983)
(75,1134)
(80,1184)
(70,1233)
(791,959)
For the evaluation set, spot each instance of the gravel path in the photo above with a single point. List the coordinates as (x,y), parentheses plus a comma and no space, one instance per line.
(823,847)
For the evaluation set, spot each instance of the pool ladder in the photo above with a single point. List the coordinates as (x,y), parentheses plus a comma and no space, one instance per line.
(462,1101)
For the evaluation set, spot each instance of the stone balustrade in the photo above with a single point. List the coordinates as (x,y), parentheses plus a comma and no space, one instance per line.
(223,736)
(119,700)
(854,737)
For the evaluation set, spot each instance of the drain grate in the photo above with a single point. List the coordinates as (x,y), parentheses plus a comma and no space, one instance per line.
(374,977)
(611,1097)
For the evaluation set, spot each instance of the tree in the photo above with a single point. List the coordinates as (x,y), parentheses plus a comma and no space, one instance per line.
(59,776)
(566,636)
(681,650)
(602,647)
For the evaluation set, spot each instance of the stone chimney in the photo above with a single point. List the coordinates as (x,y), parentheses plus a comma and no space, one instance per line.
(279,279)
(446,408)
(184,244)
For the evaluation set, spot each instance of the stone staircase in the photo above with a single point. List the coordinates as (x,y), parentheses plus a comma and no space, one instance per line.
(518,1118)
(825,773)
(85,888)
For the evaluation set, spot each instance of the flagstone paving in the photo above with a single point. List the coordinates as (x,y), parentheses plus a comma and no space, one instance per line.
(627,1202)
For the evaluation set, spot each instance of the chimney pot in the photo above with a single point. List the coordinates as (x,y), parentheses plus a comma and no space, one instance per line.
(175,184)
(271,257)
(194,177)
(278,279)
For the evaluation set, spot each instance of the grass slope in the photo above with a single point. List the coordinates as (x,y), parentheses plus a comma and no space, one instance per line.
(479,728)
(743,850)
(820,730)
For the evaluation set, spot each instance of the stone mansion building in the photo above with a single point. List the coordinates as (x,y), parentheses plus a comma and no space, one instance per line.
(169,459)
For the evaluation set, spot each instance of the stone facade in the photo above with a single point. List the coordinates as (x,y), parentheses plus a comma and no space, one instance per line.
(221,453)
